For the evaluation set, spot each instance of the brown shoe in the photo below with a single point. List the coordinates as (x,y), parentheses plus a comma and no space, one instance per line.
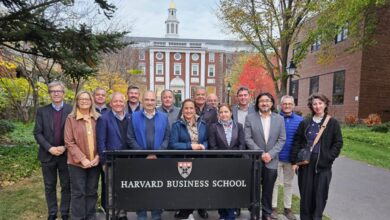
(274,214)
(289,215)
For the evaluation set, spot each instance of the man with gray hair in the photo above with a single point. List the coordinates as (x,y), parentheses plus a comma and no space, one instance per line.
(285,171)
(212,100)
(49,134)
(168,107)
(111,132)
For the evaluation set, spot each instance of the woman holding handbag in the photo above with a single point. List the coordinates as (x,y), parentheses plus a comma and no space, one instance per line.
(321,135)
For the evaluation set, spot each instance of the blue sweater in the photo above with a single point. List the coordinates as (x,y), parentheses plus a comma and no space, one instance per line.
(291,124)
(136,134)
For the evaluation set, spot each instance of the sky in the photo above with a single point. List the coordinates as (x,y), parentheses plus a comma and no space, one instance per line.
(146,18)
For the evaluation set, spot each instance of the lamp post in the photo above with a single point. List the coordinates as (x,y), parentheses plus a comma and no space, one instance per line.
(229,88)
(290,73)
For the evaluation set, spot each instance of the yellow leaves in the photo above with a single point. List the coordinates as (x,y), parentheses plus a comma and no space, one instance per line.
(7,65)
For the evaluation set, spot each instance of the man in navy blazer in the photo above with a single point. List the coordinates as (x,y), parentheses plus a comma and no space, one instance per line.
(111,131)
(49,134)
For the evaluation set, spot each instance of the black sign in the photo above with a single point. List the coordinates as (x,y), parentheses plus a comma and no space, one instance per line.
(174,183)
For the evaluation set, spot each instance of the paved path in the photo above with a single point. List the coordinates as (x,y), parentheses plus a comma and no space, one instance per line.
(357,191)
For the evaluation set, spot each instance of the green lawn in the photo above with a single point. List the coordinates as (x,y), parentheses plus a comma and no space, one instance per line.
(360,143)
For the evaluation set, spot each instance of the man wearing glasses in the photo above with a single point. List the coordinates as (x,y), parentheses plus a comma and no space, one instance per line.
(49,134)
(264,131)
(285,171)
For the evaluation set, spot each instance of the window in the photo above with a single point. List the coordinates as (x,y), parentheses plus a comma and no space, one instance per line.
(159,56)
(294,86)
(314,84)
(141,55)
(172,29)
(195,69)
(176,29)
(211,57)
(167,28)
(195,57)
(177,56)
(342,35)
(316,45)
(142,67)
(338,88)
(159,69)
(211,71)
(177,69)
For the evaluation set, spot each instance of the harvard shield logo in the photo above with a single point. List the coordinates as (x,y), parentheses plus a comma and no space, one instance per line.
(184,168)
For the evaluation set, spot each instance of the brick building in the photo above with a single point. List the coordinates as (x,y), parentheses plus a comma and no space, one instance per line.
(183,64)
(357,83)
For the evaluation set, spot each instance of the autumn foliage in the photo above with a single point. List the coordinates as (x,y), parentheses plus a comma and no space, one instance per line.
(255,77)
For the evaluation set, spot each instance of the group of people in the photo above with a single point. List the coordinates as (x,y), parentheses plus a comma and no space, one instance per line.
(73,140)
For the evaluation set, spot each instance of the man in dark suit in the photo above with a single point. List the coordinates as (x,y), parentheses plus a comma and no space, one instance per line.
(49,134)
(111,131)
(264,131)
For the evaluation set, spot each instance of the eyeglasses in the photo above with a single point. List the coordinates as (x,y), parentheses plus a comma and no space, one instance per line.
(265,101)
(56,91)
(288,104)
(86,100)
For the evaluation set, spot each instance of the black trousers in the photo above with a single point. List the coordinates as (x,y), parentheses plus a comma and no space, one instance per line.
(84,184)
(268,178)
(103,186)
(50,170)
(313,188)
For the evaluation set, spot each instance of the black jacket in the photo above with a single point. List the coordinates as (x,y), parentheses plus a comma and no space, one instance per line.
(217,137)
(331,143)
(43,130)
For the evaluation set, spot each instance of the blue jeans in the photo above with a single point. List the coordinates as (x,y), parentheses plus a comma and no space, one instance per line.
(156,214)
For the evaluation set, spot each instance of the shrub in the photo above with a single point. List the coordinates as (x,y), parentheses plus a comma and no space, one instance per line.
(383,128)
(6,127)
(351,120)
(373,119)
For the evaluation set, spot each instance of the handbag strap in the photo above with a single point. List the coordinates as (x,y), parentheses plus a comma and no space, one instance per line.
(323,126)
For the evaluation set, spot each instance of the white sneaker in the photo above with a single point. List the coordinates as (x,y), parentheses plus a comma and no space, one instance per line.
(190,217)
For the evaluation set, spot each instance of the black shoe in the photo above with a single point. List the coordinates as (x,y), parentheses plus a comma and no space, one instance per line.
(203,213)
(237,212)
(65,217)
(52,217)
(181,214)
(122,218)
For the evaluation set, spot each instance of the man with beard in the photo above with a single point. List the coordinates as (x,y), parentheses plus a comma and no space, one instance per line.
(133,103)
(265,131)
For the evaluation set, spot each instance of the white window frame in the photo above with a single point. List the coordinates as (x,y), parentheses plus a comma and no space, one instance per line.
(157,69)
(176,66)
(208,70)
(211,57)
(197,69)
(142,67)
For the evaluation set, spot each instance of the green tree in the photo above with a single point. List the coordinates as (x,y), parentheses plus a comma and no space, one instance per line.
(271,26)
(36,28)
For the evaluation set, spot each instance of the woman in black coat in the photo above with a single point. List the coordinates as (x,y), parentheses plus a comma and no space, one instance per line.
(314,178)
(226,135)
